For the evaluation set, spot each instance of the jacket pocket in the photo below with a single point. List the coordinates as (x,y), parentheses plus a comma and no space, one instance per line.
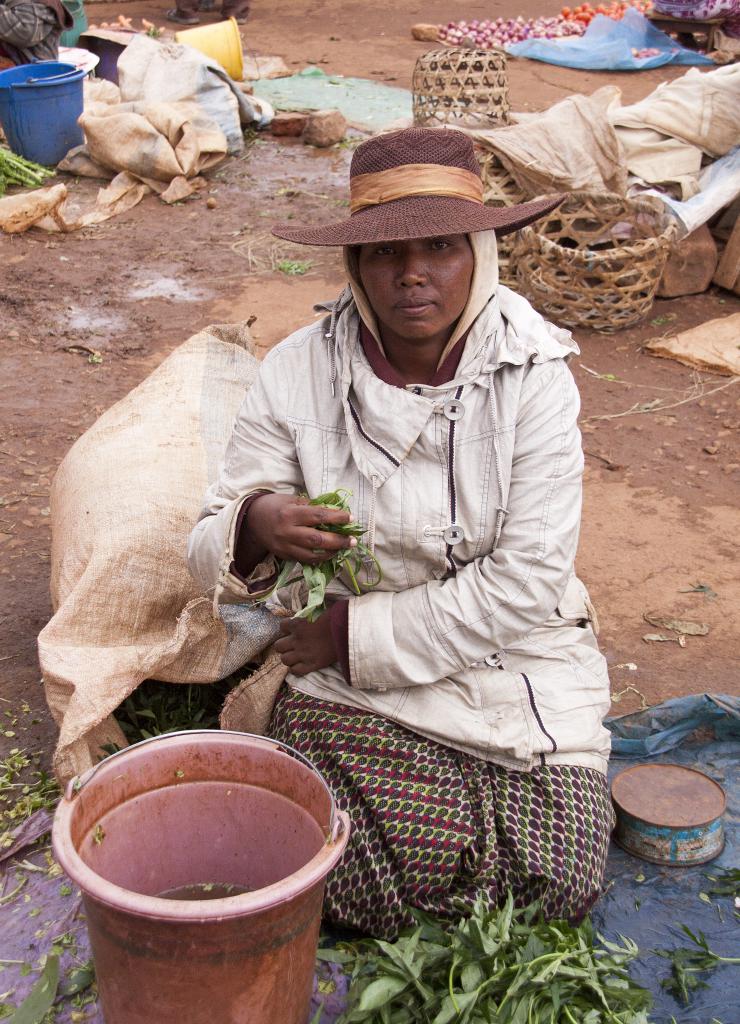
(507,711)
(569,687)
(575,607)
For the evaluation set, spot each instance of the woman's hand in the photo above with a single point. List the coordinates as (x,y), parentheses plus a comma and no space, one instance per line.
(306,646)
(285,525)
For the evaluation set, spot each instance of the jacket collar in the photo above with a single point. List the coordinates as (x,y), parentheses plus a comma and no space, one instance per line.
(384,421)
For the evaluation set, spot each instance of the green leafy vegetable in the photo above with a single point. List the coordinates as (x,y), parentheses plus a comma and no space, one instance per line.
(351,561)
(16,170)
(504,966)
(156,708)
(689,961)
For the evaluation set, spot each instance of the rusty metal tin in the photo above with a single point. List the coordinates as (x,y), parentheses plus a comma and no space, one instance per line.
(669,814)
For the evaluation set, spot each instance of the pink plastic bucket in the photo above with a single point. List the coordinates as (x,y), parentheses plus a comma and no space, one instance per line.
(221,808)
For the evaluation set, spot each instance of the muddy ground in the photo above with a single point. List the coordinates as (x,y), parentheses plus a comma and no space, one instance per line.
(662,485)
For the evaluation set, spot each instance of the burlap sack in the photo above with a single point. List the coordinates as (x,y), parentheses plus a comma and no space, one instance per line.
(665,135)
(248,708)
(123,503)
(158,141)
(570,147)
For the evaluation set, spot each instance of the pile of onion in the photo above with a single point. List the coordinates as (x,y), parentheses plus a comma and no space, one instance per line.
(502,32)
(484,35)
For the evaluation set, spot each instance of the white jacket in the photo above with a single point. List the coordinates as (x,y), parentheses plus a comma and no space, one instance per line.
(486,644)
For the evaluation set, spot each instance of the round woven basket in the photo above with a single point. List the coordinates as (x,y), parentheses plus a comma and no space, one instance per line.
(500,189)
(460,87)
(596,261)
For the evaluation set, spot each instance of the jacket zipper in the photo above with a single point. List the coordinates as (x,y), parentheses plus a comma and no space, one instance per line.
(535,710)
(451,563)
(369,439)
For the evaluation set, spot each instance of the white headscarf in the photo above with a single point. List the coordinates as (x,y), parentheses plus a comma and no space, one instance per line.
(483,286)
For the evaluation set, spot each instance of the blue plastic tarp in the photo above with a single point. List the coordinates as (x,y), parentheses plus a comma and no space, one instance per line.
(648,902)
(610,46)
(644,901)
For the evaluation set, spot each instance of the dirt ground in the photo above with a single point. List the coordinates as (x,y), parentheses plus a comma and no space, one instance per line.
(660,514)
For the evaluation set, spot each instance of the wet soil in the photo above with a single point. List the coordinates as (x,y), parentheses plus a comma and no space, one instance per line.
(662,485)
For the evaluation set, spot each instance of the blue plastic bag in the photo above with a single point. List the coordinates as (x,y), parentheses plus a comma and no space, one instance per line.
(608,46)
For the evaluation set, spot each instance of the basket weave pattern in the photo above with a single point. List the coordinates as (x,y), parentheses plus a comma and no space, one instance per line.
(461,87)
(500,189)
(596,261)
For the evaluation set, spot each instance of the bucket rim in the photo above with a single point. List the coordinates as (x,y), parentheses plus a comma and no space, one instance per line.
(65,73)
(167,910)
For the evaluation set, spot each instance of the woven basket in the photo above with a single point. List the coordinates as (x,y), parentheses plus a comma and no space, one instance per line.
(460,87)
(596,261)
(500,189)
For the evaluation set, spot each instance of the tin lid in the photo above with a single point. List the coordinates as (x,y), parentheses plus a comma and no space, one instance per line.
(668,795)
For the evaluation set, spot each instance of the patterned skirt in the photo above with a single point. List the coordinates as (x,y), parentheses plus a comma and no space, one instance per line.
(434,828)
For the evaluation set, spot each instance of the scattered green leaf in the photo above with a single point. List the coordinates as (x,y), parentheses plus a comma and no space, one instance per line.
(700,588)
(687,962)
(294,268)
(724,882)
(23,791)
(40,999)
(78,979)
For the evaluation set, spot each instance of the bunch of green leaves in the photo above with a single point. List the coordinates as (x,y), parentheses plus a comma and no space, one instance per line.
(503,966)
(688,962)
(156,708)
(350,561)
(16,170)
(23,790)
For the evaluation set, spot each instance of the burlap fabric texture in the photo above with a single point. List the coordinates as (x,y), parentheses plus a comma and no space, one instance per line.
(248,707)
(123,503)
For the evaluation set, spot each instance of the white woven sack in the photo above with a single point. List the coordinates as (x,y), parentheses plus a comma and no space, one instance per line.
(123,503)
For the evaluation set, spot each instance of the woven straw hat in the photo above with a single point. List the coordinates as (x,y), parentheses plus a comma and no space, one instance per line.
(416,183)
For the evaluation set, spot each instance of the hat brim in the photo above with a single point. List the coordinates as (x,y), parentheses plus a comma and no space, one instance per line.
(419,217)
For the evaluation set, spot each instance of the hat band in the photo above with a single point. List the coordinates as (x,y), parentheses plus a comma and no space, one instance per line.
(414,180)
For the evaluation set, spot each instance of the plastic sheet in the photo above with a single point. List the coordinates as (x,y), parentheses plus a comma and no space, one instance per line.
(649,902)
(644,901)
(719,184)
(610,46)
(366,104)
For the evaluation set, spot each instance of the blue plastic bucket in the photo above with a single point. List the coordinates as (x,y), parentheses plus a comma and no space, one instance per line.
(39,107)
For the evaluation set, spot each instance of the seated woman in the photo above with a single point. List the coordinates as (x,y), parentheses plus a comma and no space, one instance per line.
(30,30)
(456,710)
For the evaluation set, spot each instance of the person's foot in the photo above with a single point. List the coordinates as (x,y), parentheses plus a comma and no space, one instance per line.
(242,20)
(181,19)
